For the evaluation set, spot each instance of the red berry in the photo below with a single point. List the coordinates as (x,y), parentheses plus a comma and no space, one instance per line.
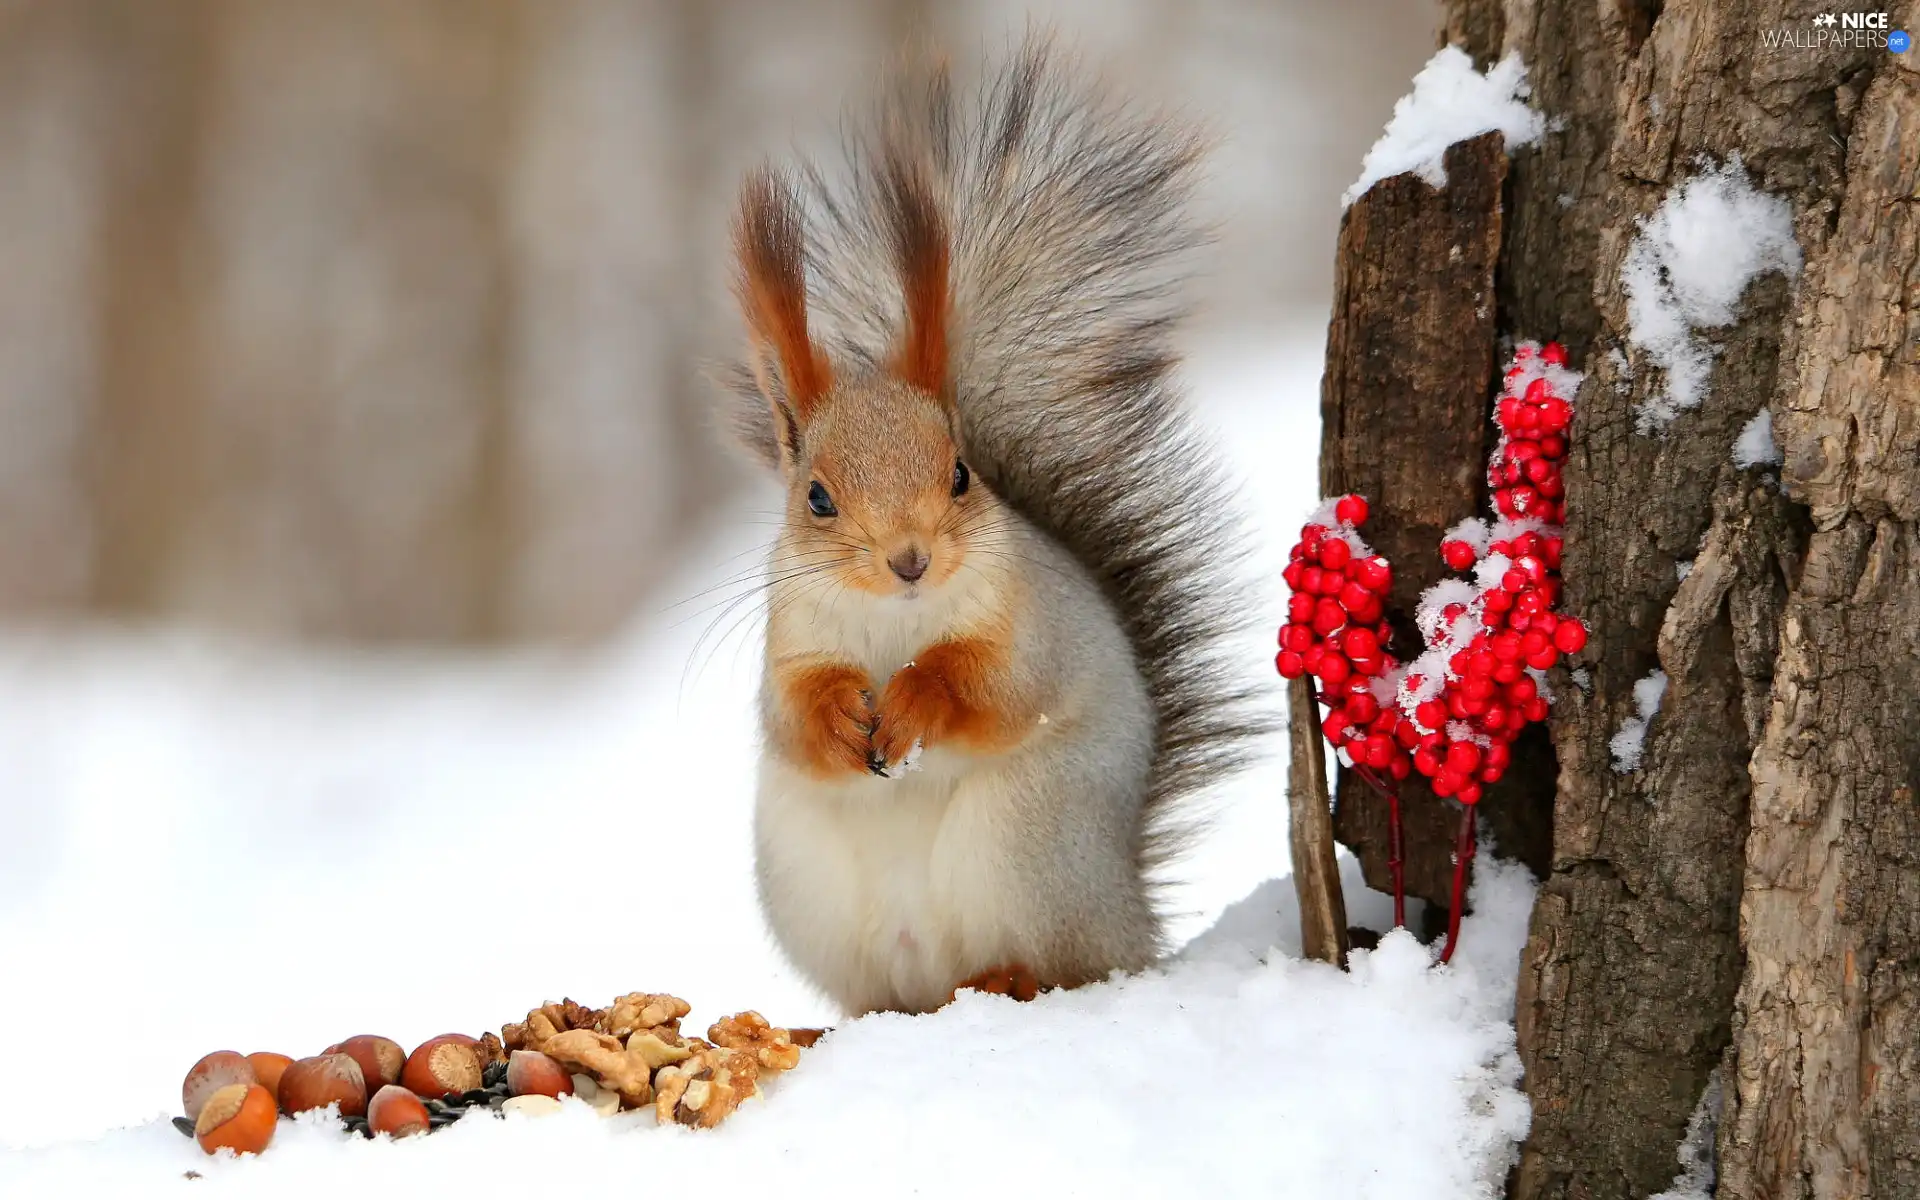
(1362,708)
(1551,552)
(1331,582)
(1468,794)
(1293,573)
(1328,616)
(1431,714)
(1554,353)
(1375,574)
(1463,757)
(1296,638)
(1360,643)
(1290,664)
(1364,610)
(1507,672)
(1446,783)
(1543,659)
(1399,768)
(1352,510)
(1407,734)
(1513,579)
(1333,669)
(1506,646)
(1334,725)
(1310,581)
(1521,690)
(1459,555)
(1569,637)
(1553,446)
(1335,554)
(1426,762)
(1537,709)
(1496,601)
(1300,607)
(1533,642)
(1354,596)
(1311,657)
(1498,756)
(1379,750)
(1494,720)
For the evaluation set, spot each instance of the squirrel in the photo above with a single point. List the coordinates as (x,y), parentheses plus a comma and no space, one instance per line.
(995,659)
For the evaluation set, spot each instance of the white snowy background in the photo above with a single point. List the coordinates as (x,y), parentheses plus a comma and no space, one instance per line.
(214,845)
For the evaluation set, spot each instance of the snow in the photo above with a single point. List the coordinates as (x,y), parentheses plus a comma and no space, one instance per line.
(213,845)
(1756,446)
(1450,102)
(1682,568)
(1474,531)
(1238,1070)
(1686,271)
(1630,742)
(1696,1153)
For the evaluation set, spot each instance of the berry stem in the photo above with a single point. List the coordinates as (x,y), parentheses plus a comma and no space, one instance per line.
(1463,847)
(1396,841)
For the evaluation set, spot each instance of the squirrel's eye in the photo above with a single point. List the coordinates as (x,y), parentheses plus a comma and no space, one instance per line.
(819,502)
(961,477)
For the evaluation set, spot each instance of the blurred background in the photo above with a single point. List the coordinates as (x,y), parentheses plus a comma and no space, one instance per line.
(380,321)
(368,563)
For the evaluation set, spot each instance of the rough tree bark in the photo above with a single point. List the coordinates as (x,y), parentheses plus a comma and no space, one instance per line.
(1751,894)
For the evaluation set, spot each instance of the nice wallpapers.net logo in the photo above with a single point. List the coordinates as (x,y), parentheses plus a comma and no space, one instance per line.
(1840,31)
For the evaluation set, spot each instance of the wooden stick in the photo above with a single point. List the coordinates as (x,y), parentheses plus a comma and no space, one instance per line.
(1316,876)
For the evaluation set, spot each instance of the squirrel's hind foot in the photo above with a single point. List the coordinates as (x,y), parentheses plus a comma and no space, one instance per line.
(1015,979)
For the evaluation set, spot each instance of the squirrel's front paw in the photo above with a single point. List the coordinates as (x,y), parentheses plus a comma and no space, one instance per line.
(913,713)
(836,720)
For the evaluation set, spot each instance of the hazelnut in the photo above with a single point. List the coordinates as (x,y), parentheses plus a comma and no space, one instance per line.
(239,1117)
(209,1075)
(443,1066)
(396,1111)
(531,1073)
(381,1059)
(322,1080)
(267,1069)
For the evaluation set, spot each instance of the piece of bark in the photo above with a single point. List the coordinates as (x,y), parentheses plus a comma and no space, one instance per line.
(1405,411)
(1316,874)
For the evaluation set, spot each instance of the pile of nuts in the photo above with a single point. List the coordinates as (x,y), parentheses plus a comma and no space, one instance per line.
(628,1056)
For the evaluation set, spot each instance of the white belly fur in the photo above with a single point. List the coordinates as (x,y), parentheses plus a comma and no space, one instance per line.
(879,888)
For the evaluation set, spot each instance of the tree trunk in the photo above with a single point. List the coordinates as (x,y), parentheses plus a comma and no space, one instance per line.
(1752,892)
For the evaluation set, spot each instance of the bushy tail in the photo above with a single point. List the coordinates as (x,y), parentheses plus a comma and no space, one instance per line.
(1067,214)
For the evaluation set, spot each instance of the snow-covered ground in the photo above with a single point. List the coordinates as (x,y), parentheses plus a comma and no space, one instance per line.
(206,846)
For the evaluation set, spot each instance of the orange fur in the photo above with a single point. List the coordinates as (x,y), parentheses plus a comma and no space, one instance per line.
(954,692)
(829,714)
(921,254)
(769,240)
(1015,979)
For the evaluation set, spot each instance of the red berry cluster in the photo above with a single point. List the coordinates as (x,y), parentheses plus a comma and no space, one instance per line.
(1337,632)
(1453,713)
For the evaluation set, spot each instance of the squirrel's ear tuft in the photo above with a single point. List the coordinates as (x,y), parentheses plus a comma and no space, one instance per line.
(769,242)
(918,230)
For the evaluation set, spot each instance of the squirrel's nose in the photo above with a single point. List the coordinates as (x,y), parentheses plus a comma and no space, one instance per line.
(909,564)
